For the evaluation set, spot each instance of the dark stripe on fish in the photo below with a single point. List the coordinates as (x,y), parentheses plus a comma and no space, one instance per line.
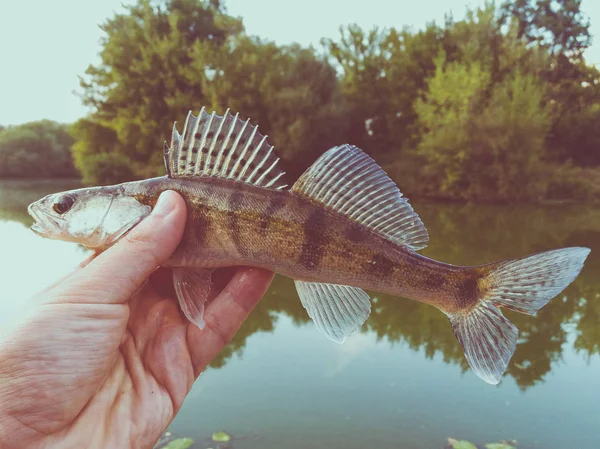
(235,202)
(202,224)
(275,205)
(380,265)
(435,281)
(315,240)
(468,292)
(204,218)
(355,233)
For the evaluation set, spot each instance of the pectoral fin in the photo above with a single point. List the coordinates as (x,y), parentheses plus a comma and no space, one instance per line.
(193,289)
(337,310)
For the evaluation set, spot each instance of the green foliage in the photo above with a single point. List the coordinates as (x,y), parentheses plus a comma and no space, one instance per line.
(221,437)
(560,28)
(461,444)
(570,182)
(154,65)
(381,76)
(507,143)
(558,25)
(180,443)
(499,446)
(498,106)
(445,115)
(289,91)
(36,150)
(107,168)
(576,136)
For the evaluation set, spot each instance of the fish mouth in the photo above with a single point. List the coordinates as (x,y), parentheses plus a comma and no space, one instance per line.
(44,223)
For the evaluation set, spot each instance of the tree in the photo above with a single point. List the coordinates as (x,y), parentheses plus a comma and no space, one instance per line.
(507,142)
(152,71)
(161,60)
(558,25)
(359,58)
(509,101)
(563,30)
(36,150)
(453,97)
(95,155)
(478,148)
(290,92)
(306,112)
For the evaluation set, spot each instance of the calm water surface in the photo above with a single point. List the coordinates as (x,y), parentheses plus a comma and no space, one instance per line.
(403,381)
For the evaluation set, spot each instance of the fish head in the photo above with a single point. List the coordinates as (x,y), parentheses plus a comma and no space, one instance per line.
(94,217)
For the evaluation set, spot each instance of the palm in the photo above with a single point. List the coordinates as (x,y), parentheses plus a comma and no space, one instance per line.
(144,361)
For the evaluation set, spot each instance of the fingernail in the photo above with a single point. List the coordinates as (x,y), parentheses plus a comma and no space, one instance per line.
(164,205)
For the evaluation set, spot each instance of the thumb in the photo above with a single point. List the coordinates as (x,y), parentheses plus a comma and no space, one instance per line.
(116,274)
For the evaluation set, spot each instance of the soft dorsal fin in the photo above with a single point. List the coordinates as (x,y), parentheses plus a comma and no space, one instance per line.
(227,147)
(350,182)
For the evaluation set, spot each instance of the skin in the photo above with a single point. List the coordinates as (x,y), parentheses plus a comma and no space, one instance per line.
(105,358)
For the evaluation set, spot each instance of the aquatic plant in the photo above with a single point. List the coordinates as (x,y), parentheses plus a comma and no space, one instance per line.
(464,444)
(221,437)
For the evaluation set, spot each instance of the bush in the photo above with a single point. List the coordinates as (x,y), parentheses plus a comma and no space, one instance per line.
(569,182)
(36,150)
(107,168)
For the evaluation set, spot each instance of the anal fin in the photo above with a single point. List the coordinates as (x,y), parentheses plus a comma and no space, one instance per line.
(193,290)
(337,310)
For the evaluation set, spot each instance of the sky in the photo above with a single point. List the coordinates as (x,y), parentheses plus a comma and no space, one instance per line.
(45,45)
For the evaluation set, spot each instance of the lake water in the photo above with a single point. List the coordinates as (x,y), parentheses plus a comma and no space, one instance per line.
(400,383)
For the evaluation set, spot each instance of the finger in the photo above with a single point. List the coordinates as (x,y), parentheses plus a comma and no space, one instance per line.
(226,313)
(116,274)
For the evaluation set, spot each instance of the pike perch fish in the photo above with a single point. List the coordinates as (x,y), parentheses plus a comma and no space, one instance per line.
(342,227)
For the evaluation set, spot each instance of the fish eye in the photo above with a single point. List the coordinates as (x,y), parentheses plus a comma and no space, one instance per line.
(64,204)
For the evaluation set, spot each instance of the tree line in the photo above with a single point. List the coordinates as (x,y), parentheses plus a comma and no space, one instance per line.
(36,149)
(497,106)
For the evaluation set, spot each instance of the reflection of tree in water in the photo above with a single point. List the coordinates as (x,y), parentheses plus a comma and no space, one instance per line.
(281,298)
(465,234)
(588,324)
(262,320)
(477,235)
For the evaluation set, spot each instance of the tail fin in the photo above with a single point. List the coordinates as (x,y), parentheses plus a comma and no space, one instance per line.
(525,285)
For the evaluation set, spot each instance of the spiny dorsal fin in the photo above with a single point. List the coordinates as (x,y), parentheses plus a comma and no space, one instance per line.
(226,147)
(349,181)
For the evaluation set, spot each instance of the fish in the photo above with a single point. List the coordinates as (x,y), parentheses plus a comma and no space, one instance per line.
(343,228)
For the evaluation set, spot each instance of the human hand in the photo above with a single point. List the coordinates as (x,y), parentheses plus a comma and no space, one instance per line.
(103,358)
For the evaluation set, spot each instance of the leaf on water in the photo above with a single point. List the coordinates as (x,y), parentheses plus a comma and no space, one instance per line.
(180,443)
(460,444)
(499,446)
(221,437)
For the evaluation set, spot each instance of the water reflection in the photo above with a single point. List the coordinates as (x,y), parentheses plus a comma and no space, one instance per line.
(461,235)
